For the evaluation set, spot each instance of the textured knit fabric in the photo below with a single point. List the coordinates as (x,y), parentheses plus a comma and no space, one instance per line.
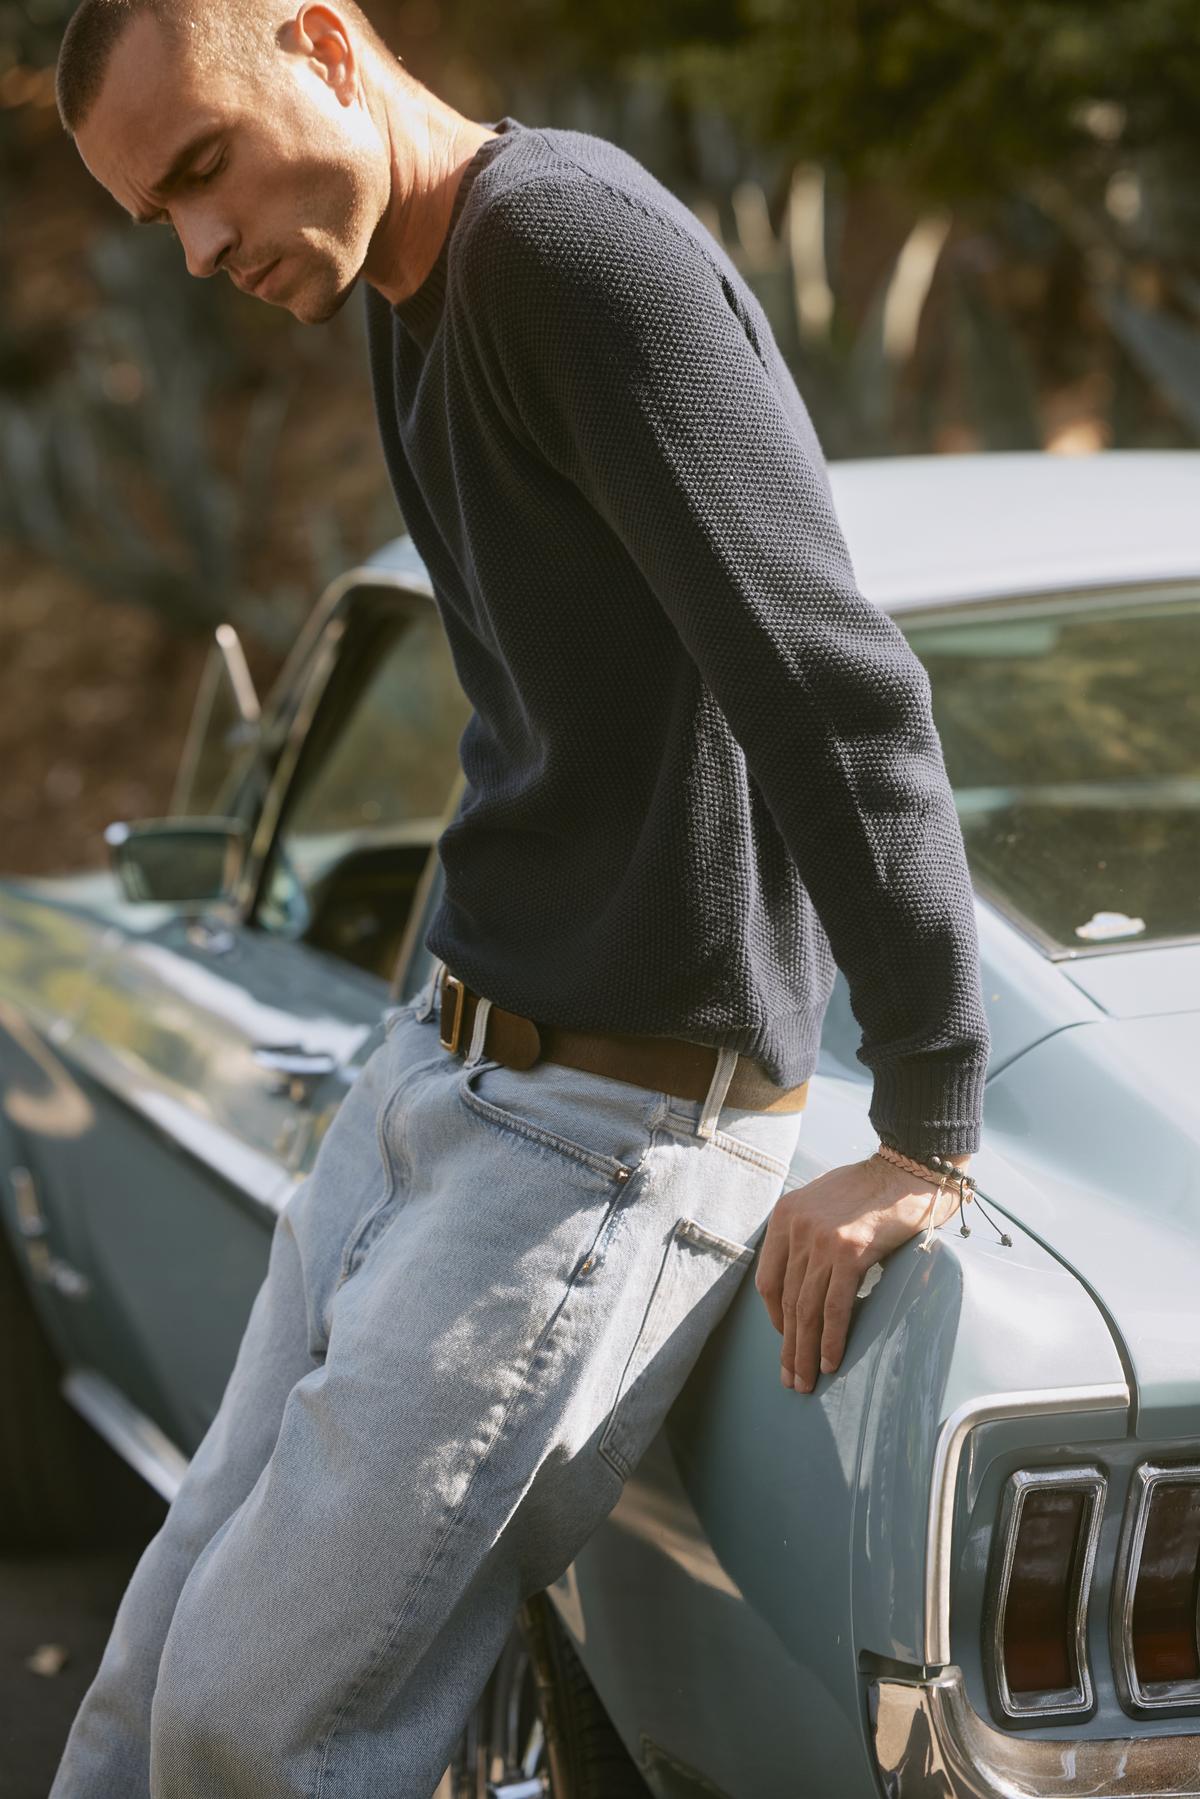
(702,769)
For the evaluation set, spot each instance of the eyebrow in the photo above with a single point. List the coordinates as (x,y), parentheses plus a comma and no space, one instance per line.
(180,164)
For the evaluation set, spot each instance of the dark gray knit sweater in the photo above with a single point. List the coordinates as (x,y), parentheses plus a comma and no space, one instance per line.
(702,767)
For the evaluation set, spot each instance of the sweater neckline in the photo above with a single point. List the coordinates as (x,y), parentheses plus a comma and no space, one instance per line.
(420,310)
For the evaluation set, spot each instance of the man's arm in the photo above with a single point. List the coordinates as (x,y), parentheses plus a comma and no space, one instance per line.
(625,360)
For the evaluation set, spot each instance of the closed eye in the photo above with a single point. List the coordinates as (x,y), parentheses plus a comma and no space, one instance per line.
(201,179)
(208,174)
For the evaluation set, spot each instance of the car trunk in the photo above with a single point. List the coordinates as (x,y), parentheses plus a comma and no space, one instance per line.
(1102,1120)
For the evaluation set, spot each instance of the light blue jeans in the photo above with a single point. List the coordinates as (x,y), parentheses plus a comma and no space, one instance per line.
(477,1311)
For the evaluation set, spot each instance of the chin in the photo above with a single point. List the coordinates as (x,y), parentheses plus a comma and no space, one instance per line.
(318,308)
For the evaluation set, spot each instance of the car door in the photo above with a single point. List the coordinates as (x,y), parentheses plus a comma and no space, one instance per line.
(218,1043)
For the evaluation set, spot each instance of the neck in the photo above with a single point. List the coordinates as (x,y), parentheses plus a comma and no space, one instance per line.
(429,146)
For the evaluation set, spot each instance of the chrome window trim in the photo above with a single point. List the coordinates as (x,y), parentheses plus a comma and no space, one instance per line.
(1076,596)
(330,603)
(943,1483)
(1161,1695)
(305,675)
(1079,1697)
(127,1430)
(324,662)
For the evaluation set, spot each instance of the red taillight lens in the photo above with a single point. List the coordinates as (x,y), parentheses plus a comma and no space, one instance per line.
(1163,1621)
(1037,1647)
(1045,1549)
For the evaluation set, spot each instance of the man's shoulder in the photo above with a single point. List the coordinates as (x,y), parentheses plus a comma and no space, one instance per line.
(572,198)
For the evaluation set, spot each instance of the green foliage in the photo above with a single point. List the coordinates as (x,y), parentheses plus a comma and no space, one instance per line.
(1033,173)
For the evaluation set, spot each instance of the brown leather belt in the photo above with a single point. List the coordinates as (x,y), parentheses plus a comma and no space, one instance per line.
(665,1064)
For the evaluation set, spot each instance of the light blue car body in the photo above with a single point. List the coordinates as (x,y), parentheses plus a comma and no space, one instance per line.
(791,1597)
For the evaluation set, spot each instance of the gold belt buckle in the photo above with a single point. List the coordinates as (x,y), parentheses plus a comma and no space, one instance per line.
(450,981)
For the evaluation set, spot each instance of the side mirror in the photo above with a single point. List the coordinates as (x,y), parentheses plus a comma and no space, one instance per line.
(174,860)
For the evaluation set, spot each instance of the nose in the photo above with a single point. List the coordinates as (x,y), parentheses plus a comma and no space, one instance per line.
(206,241)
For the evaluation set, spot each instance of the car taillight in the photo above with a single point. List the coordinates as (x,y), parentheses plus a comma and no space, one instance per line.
(1156,1632)
(1041,1577)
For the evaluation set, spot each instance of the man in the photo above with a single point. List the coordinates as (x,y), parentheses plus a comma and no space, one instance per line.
(701,768)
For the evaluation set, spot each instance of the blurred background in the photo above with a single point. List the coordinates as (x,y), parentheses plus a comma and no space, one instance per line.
(974,224)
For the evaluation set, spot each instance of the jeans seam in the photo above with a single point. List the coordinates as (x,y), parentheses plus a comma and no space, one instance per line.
(611,1455)
(348,1264)
(608,1166)
(435,1554)
(393,1014)
(731,1254)
(744,1152)
(733,1146)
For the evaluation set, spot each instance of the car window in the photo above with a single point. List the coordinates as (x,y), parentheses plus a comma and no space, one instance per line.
(1071,734)
(365,803)
(221,772)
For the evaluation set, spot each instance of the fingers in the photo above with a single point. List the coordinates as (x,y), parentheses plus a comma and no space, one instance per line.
(771,1272)
(792,1284)
(820,1239)
(839,1304)
(805,1322)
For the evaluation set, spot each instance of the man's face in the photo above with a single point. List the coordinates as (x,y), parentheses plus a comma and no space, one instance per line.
(279,163)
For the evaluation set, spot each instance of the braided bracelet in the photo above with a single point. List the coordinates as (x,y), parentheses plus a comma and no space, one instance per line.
(946,1171)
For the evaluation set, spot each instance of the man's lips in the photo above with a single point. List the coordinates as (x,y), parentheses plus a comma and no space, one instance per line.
(251,284)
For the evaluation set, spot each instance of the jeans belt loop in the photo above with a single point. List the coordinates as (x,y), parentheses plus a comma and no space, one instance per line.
(709,1075)
(483,1006)
(718,1087)
(430,991)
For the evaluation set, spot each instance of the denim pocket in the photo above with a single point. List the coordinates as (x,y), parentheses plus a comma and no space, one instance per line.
(697,1279)
(764,1140)
(604,1124)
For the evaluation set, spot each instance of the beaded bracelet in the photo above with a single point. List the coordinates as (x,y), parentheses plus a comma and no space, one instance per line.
(946,1170)
(943,1173)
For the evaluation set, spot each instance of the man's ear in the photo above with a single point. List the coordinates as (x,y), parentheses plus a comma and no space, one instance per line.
(323,37)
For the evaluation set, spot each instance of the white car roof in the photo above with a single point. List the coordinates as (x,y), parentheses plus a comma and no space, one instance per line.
(926,530)
(929,529)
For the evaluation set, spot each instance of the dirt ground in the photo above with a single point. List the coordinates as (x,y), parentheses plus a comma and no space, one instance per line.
(48,1604)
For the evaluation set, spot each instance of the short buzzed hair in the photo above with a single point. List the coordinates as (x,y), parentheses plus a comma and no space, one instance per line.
(95,28)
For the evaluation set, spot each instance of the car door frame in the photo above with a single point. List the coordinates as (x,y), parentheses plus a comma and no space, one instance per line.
(292,707)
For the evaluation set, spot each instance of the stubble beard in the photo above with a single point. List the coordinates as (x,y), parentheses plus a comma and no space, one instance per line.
(321,295)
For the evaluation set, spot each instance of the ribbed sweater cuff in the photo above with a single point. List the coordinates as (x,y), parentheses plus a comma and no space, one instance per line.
(922,1105)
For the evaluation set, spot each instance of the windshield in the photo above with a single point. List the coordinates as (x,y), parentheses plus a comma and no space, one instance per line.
(1071,733)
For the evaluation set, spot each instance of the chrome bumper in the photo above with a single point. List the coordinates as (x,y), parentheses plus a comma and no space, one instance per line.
(930,1744)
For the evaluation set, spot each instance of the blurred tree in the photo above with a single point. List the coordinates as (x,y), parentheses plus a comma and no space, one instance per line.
(972,222)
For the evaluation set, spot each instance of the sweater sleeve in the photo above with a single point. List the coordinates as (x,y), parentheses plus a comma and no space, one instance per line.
(620,350)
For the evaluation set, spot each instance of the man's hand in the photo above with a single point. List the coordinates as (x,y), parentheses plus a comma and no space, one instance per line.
(820,1241)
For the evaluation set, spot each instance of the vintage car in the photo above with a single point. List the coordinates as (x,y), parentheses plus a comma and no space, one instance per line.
(968,1563)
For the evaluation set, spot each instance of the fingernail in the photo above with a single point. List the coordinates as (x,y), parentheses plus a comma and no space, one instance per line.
(826,1365)
(785,1377)
(803,1386)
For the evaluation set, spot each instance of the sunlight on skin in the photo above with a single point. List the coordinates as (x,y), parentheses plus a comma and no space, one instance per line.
(296,175)
(321,159)
(820,1241)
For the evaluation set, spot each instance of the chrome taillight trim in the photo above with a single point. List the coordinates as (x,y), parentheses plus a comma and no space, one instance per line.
(1162,1695)
(985,1408)
(1066,1701)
